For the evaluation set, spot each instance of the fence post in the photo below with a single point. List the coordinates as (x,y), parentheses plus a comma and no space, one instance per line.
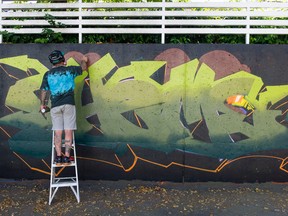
(247,35)
(80,21)
(1,36)
(163,20)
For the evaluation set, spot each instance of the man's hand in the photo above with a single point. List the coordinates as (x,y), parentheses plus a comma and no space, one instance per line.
(42,107)
(85,59)
(43,113)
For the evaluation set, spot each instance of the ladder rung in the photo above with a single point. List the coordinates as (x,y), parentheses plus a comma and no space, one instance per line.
(63,165)
(71,178)
(63,145)
(64,184)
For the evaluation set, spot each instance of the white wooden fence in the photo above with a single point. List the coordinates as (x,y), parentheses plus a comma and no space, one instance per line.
(163,18)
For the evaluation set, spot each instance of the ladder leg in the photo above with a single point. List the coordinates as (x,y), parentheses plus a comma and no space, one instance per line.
(52,173)
(76,169)
(70,181)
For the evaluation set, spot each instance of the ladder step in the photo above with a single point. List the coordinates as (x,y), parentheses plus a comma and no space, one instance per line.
(64,165)
(71,178)
(63,145)
(64,184)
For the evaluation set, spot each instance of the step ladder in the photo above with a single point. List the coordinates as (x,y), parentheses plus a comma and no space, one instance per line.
(58,178)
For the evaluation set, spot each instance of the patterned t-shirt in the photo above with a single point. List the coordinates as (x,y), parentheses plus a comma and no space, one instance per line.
(60,82)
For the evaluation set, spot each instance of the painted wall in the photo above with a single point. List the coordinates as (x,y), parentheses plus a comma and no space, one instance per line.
(153,112)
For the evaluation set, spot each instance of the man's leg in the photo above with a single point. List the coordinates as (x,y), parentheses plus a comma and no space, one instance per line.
(58,141)
(69,126)
(68,142)
(57,122)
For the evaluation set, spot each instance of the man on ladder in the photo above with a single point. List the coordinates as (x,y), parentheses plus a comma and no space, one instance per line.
(59,81)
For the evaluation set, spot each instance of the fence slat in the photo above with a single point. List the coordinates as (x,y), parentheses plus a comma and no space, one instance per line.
(147,18)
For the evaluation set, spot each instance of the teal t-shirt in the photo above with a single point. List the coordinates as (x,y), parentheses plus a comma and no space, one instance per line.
(60,82)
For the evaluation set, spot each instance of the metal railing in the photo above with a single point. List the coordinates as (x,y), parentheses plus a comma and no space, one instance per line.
(161,18)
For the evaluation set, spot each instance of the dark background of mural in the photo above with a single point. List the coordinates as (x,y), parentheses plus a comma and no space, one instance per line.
(266,61)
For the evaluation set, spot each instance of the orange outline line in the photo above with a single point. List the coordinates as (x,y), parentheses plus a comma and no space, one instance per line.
(9,108)
(58,173)
(136,158)
(98,129)
(46,164)
(32,168)
(5,132)
(222,165)
(254,156)
(281,105)
(196,126)
(139,123)
(134,162)
(250,113)
(98,160)
(262,90)
(8,73)
(87,82)
(283,164)
(28,73)
(39,170)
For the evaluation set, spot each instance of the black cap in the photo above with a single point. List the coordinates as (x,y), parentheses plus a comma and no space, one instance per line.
(56,57)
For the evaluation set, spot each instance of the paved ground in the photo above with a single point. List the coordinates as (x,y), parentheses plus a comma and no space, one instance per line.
(145,198)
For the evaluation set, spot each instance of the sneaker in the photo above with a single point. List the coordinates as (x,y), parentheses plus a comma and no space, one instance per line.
(66,161)
(58,160)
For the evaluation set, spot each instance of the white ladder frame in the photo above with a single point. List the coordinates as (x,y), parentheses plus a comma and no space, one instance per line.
(70,181)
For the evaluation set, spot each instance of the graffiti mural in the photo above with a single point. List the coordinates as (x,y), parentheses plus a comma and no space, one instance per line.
(167,115)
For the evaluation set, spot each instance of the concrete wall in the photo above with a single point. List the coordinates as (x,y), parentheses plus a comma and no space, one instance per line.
(153,112)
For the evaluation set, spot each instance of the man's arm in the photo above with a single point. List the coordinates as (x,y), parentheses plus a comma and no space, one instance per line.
(43,99)
(83,63)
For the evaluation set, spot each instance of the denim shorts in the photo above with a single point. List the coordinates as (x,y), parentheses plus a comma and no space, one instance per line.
(64,117)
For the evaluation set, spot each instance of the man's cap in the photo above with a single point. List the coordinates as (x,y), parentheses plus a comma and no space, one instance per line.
(56,57)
